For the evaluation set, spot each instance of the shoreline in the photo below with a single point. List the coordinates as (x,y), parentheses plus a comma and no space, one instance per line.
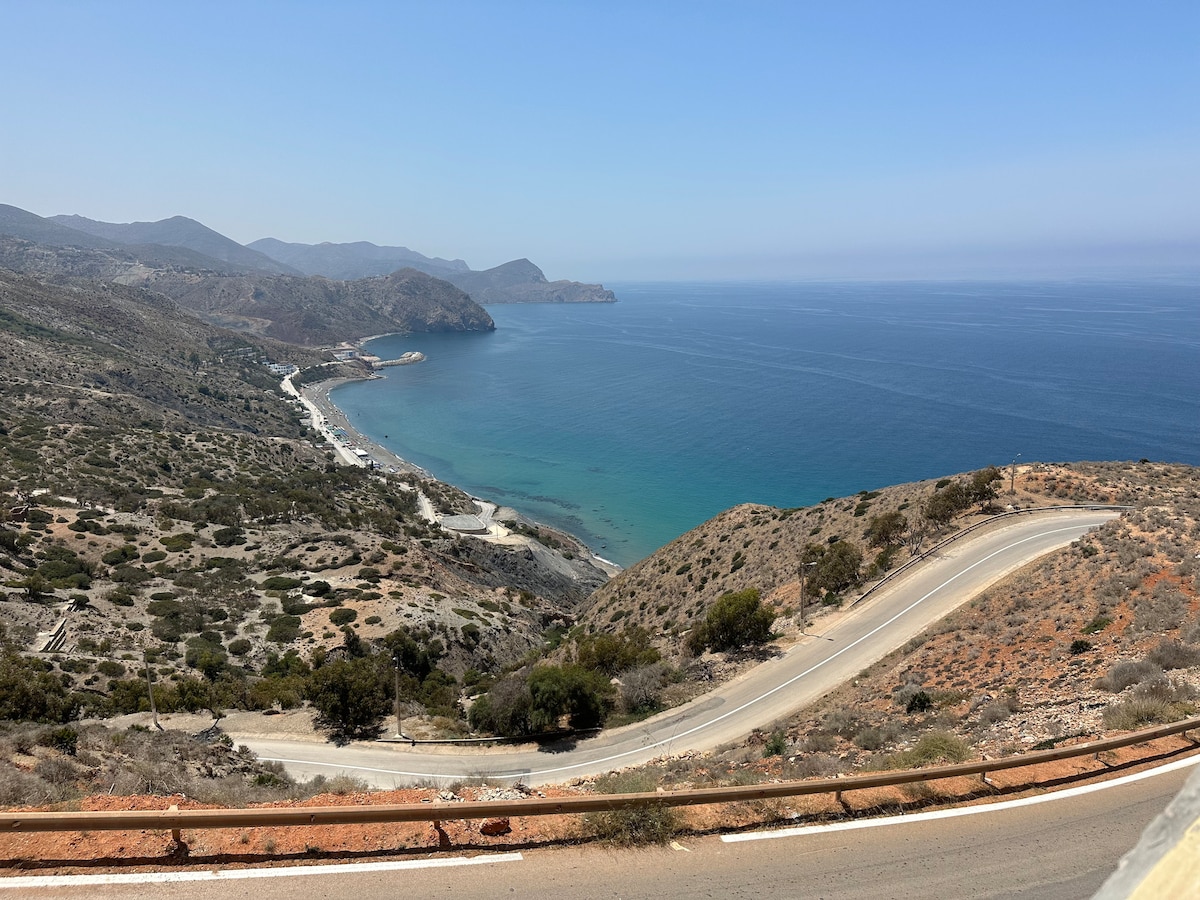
(327,418)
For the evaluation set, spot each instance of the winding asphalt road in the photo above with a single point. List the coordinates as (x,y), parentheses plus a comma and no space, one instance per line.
(765,694)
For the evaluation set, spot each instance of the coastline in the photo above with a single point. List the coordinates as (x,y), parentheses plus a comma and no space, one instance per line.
(327,416)
(328,419)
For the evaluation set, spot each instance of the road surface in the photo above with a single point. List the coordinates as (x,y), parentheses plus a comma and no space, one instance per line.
(767,693)
(1063,848)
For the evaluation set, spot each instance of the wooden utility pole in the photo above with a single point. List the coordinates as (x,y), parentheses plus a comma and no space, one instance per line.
(396,666)
(150,690)
(804,567)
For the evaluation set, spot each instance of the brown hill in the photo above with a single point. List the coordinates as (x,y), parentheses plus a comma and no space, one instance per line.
(754,546)
(1100,637)
(316,311)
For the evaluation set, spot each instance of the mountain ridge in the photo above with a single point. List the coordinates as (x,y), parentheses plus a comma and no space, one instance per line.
(350,261)
(185,242)
(178,231)
(305,310)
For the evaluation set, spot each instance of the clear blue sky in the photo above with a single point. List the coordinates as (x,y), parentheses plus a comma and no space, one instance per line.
(616,140)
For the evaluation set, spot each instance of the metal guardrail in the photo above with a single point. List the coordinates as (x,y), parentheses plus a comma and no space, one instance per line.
(175,819)
(925,554)
(543,737)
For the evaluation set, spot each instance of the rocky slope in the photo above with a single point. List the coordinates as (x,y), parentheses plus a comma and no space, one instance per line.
(1103,636)
(158,485)
(315,311)
(299,310)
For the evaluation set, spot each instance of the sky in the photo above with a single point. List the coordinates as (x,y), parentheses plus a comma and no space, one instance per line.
(619,140)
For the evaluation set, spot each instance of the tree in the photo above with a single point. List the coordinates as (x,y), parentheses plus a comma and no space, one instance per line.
(886,530)
(915,536)
(350,697)
(416,655)
(612,654)
(837,569)
(981,488)
(736,620)
(30,691)
(504,709)
(641,688)
(36,587)
(582,696)
(946,503)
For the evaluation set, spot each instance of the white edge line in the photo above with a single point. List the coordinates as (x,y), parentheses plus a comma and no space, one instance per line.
(44,881)
(804,830)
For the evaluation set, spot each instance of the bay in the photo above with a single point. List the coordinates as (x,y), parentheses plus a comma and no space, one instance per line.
(629,423)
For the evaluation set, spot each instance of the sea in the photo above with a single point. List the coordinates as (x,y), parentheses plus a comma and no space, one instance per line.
(628,424)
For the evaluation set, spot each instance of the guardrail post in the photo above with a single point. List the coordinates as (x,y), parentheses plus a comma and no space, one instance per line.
(176,833)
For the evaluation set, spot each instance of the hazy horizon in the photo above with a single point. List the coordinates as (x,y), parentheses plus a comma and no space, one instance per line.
(630,141)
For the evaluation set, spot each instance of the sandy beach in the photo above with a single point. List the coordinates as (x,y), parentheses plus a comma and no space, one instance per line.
(346,441)
(328,419)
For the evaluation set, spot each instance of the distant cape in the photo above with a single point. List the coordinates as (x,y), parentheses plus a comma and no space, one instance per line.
(519,281)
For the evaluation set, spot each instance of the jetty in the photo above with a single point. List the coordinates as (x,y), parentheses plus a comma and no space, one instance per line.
(412,356)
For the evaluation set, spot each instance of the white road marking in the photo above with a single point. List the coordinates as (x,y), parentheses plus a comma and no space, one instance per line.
(803,830)
(45,881)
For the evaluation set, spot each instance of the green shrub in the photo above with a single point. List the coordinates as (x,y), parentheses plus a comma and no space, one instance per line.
(229,536)
(284,629)
(1135,713)
(64,740)
(340,617)
(870,738)
(123,554)
(119,597)
(612,654)
(736,620)
(776,744)
(918,703)
(652,824)
(1126,673)
(1171,654)
(281,583)
(130,575)
(933,748)
(1097,624)
(177,543)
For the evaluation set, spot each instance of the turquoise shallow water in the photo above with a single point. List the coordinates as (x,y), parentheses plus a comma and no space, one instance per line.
(630,423)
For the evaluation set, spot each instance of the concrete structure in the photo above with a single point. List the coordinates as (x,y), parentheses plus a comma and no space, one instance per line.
(465,524)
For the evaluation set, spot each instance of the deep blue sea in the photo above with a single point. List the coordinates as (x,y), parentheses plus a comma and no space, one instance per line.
(629,423)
